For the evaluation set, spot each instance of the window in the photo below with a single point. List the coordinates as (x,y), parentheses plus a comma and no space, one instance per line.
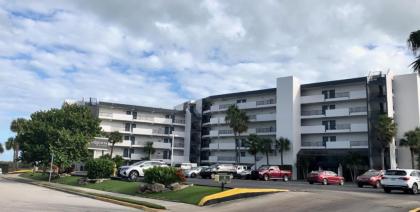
(134,115)
(240,101)
(133,140)
(128,112)
(382,107)
(328,94)
(243,154)
(126,137)
(133,126)
(333,138)
(127,127)
(131,151)
(125,153)
(332,125)
(332,107)
(324,108)
(166,154)
(166,140)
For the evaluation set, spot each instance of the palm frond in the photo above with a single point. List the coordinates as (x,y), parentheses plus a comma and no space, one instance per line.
(413,41)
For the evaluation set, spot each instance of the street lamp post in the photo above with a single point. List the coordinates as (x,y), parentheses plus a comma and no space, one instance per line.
(52,161)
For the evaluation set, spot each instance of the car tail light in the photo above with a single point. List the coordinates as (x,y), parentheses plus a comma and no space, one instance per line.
(404,178)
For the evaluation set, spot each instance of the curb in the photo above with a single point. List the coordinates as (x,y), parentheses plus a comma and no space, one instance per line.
(91,195)
(236,193)
(414,210)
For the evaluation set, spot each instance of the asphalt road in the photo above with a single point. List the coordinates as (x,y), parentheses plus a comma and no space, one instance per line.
(16,196)
(306,197)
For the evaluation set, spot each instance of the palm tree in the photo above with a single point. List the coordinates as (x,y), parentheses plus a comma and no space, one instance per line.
(385,131)
(238,121)
(113,138)
(412,140)
(12,144)
(413,42)
(282,145)
(149,149)
(353,161)
(254,146)
(1,148)
(266,147)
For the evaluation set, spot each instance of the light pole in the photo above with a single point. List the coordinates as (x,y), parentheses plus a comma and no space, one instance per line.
(52,161)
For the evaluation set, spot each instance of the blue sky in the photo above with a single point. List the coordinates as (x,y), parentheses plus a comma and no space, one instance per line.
(161,53)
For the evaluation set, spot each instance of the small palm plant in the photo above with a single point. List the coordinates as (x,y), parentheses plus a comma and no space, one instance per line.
(282,145)
(385,131)
(412,140)
(113,138)
(254,145)
(149,149)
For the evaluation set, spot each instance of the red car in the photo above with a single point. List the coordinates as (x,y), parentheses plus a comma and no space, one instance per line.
(371,177)
(271,173)
(325,178)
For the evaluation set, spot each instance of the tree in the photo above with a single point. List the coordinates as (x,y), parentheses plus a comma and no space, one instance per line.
(267,147)
(64,133)
(413,42)
(282,145)
(238,122)
(254,146)
(353,161)
(113,138)
(1,148)
(412,140)
(385,131)
(12,144)
(149,149)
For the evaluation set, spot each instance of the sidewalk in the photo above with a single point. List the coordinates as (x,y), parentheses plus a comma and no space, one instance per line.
(171,206)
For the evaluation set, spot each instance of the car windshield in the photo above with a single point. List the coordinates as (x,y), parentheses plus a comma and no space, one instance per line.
(137,163)
(396,172)
(371,173)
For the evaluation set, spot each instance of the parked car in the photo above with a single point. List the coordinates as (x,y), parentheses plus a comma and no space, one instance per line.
(271,173)
(137,169)
(407,180)
(218,169)
(371,177)
(194,172)
(207,172)
(187,166)
(325,178)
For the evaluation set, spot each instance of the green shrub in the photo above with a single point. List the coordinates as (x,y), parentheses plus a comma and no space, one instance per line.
(99,168)
(163,175)
(118,159)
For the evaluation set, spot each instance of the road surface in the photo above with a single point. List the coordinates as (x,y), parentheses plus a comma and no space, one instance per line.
(16,196)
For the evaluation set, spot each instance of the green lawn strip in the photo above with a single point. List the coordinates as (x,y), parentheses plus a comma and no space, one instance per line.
(190,195)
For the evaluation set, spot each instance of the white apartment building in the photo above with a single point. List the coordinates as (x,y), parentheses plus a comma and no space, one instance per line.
(165,128)
(324,122)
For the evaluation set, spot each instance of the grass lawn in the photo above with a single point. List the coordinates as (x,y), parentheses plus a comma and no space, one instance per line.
(190,195)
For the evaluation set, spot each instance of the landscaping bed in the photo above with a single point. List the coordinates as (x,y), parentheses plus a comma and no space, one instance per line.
(190,195)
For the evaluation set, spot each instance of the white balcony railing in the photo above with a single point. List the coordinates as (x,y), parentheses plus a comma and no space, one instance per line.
(245,105)
(229,146)
(344,127)
(334,144)
(346,95)
(161,145)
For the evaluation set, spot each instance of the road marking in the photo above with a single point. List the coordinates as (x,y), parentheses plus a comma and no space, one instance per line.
(237,191)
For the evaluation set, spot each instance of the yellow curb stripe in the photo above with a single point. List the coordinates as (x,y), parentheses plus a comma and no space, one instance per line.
(236,191)
(414,210)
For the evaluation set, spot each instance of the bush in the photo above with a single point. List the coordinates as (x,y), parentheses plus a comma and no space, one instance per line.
(118,159)
(163,175)
(99,168)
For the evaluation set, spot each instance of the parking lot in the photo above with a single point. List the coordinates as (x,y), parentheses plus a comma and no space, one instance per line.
(304,197)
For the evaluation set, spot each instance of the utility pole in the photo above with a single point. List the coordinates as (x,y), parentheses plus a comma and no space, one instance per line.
(52,161)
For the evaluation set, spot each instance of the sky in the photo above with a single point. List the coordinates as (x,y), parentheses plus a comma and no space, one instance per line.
(161,53)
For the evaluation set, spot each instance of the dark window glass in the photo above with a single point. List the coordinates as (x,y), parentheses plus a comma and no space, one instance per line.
(332,125)
(133,126)
(325,123)
(325,93)
(332,107)
(243,154)
(134,115)
(128,112)
(324,108)
(127,126)
(126,137)
(333,138)
(125,153)
(331,94)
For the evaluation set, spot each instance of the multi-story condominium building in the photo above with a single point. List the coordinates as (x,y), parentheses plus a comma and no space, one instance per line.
(324,121)
(165,128)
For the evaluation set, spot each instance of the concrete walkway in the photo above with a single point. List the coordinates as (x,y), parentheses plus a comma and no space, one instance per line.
(171,206)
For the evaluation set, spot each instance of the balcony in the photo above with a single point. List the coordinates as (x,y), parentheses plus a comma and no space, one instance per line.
(245,105)
(178,134)
(339,96)
(222,146)
(339,128)
(162,120)
(178,145)
(125,143)
(141,131)
(335,145)
(229,132)
(161,145)
(352,111)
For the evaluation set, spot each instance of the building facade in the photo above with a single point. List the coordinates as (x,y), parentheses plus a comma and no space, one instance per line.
(325,121)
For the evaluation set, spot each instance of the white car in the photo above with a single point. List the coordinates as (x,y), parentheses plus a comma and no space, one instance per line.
(194,172)
(407,180)
(187,166)
(137,169)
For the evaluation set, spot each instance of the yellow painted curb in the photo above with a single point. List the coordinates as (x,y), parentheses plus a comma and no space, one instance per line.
(236,191)
(414,210)
(21,171)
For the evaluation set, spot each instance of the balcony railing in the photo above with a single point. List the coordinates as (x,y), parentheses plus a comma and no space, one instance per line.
(226,158)
(342,127)
(311,113)
(224,132)
(358,143)
(358,109)
(179,121)
(221,107)
(265,130)
(313,144)
(342,94)
(266,102)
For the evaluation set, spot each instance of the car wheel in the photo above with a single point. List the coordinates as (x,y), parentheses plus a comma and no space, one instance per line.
(341,182)
(133,175)
(377,184)
(324,182)
(415,189)
(193,175)
(286,178)
(387,190)
(360,185)
(265,177)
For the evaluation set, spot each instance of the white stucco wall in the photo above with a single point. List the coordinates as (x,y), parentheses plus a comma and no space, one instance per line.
(407,111)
